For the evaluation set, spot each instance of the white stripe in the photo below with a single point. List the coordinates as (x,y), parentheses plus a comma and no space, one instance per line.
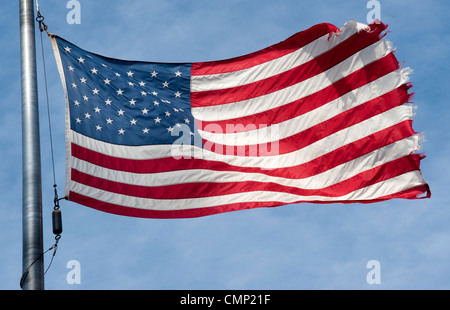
(388,187)
(302,122)
(276,66)
(300,90)
(308,153)
(330,177)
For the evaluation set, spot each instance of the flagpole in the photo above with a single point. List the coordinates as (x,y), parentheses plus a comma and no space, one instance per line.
(31,161)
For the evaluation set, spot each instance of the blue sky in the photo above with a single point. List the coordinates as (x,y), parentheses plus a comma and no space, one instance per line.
(291,247)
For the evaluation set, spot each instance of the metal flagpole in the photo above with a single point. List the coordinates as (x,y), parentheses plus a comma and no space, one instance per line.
(31,161)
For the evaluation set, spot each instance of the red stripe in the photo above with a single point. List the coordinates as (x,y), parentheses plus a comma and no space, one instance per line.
(318,165)
(279,114)
(208,189)
(275,51)
(321,63)
(185,213)
(313,134)
(412,193)
(418,192)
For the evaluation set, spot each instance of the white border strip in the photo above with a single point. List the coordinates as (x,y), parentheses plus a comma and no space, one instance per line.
(68,131)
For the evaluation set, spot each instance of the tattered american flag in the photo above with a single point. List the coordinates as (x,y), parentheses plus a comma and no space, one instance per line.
(322,117)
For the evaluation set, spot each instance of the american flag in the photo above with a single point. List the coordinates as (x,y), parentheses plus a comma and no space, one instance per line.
(320,117)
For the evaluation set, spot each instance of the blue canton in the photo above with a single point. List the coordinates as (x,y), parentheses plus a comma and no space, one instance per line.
(127,102)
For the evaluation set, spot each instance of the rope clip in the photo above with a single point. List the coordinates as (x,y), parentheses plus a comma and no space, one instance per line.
(42,25)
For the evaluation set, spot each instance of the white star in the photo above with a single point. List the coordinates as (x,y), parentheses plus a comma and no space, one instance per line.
(187,121)
(71,68)
(94,71)
(143,93)
(167,113)
(83,80)
(142,83)
(165,84)
(133,121)
(95,91)
(178,125)
(145,130)
(131,83)
(121,131)
(86,98)
(130,73)
(107,81)
(155,102)
(98,127)
(104,65)
(77,103)
(108,102)
(87,115)
(109,121)
(177,94)
(119,92)
(145,111)
(81,60)
(154,74)
(67,49)
(154,93)
(157,120)
(121,112)
(132,102)
(97,110)
(117,74)
(74,85)
(170,129)
(78,120)
(178,73)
